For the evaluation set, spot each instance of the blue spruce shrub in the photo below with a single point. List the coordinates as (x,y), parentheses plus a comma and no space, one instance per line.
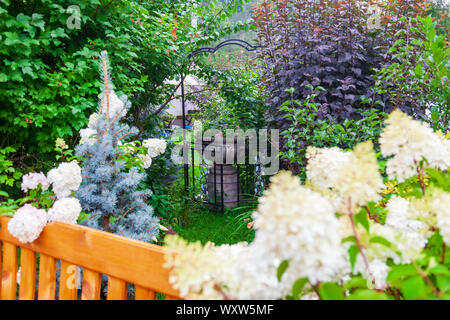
(108,191)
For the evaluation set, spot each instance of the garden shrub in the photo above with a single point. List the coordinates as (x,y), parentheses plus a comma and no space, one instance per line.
(307,129)
(418,75)
(331,44)
(328,44)
(48,81)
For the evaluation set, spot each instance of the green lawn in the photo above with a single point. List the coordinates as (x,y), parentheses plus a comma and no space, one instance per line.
(204,225)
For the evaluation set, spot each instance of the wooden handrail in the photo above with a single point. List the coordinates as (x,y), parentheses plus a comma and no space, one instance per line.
(124,260)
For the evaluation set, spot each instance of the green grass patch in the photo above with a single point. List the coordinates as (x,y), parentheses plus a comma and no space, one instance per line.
(205,225)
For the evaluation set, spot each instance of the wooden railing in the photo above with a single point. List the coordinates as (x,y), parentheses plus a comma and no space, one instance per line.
(121,259)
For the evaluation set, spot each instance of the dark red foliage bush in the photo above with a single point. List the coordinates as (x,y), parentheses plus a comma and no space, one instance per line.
(330,44)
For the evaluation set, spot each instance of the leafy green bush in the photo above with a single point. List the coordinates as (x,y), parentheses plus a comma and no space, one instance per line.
(232,98)
(306,128)
(420,71)
(48,82)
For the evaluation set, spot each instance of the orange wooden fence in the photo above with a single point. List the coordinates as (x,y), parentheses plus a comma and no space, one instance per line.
(122,259)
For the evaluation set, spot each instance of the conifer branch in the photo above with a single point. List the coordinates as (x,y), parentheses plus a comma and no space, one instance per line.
(132,132)
(118,132)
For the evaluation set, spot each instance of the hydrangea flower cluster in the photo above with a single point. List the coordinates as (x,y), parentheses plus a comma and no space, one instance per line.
(65,178)
(310,228)
(28,221)
(32,180)
(410,142)
(155,147)
(350,179)
(441,205)
(65,210)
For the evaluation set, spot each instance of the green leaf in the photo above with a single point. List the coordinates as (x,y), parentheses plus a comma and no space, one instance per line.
(331,291)
(282,269)
(4,194)
(349,239)
(363,219)
(413,287)
(435,116)
(298,286)
(418,70)
(443,283)
(399,272)
(440,270)
(381,240)
(353,251)
(366,294)
(356,282)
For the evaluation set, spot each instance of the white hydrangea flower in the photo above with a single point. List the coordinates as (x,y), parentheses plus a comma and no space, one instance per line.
(115,106)
(88,136)
(60,143)
(441,205)
(65,179)
(410,141)
(409,241)
(306,222)
(397,208)
(358,179)
(27,223)
(32,180)
(323,163)
(378,271)
(65,210)
(93,119)
(193,269)
(146,159)
(155,147)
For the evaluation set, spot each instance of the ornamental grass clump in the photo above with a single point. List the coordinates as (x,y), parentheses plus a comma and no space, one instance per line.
(109,191)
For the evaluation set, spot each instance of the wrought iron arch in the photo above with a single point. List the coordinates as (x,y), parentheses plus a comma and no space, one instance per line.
(237,42)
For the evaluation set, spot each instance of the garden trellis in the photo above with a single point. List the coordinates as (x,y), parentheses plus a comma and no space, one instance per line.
(239,175)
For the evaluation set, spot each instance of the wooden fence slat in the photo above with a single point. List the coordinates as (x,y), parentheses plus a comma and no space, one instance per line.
(117,289)
(102,252)
(27,287)
(68,281)
(9,272)
(47,277)
(90,289)
(144,294)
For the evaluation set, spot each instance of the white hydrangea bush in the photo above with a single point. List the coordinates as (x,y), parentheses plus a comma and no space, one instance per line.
(29,220)
(351,232)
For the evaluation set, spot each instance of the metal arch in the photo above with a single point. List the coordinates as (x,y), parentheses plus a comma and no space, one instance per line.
(238,42)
